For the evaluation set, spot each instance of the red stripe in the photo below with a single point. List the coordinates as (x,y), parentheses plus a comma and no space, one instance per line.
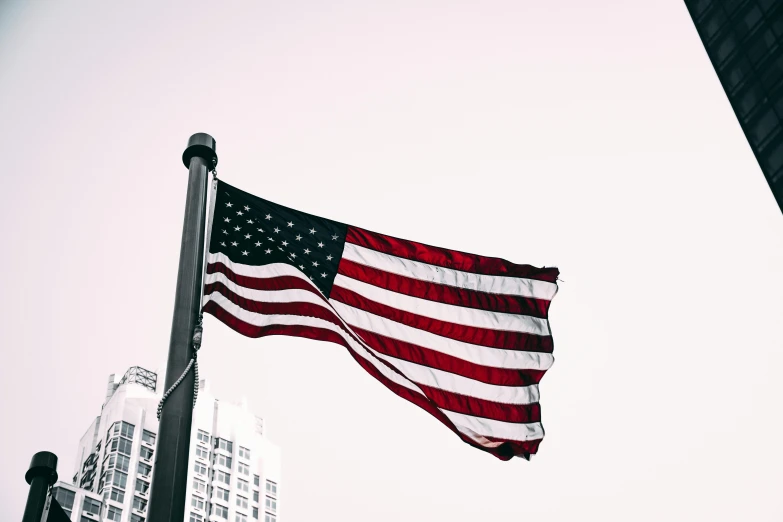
(434,359)
(446,258)
(262,283)
(469,334)
(510,304)
(505,451)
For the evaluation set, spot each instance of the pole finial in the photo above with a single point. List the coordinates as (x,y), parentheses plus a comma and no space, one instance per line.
(201,145)
(44,463)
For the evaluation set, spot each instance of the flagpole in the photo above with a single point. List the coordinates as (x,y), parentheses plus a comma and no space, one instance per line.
(41,475)
(169,486)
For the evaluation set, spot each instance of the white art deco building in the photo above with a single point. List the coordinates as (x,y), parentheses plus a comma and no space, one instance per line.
(234,473)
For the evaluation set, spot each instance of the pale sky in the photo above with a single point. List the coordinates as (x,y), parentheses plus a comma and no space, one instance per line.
(593,136)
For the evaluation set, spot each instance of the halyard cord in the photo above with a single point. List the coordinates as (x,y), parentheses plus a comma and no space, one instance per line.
(199,329)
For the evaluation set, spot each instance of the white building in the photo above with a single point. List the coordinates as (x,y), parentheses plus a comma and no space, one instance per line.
(234,472)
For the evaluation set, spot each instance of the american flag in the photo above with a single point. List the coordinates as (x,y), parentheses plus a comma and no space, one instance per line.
(465,337)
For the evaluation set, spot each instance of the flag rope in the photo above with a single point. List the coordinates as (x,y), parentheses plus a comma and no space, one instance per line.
(198,331)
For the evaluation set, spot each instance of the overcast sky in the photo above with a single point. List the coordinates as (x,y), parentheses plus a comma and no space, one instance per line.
(593,136)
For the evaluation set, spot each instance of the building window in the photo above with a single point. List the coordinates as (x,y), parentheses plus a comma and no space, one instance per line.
(268,517)
(196,502)
(90,505)
(255,496)
(136,518)
(222,494)
(199,485)
(195,517)
(65,498)
(121,462)
(117,495)
(202,453)
(224,444)
(117,478)
(139,503)
(220,511)
(240,518)
(146,453)
(242,501)
(243,485)
(202,436)
(148,437)
(271,488)
(243,468)
(222,476)
(142,486)
(244,453)
(124,446)
(256,480)
(144,469)
(255,512)
(114,513)
(270,504)
(200,468)
(222,460)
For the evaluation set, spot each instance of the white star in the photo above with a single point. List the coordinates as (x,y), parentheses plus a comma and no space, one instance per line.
(315,263)
(268,217)
(270,239)
(250,221)
(224,231)
(280,248)
(237,228)
(284,243)
(323,274)
(290,224)
(311,278)
(277,230)
(329,257)
(260,229)
(229,204)
(268,251)
(222,243)
(312,231)
(293,255)
(240,213)
(227,220)
(301,267)
(247,208)
(298,237)
(244,252)
(306,250)
(234,243)
(258,243)
(334,237)
(247,236)
(320,245)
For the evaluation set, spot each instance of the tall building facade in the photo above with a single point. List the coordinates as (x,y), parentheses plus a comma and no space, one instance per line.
(744,40)
(234,472)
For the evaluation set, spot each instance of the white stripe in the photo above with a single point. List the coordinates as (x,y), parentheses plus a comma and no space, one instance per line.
(454,383)
(446,276)
(493,357)
(259,271)
(292,295)
(446,312)
(477,426)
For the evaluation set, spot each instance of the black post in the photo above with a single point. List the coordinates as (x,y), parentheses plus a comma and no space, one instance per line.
(41,475)
(169,487)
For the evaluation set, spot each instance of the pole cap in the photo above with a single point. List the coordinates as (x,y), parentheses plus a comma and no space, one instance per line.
(44,464)
(201,145)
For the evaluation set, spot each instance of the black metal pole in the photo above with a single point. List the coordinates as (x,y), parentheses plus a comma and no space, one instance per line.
(169,486)
(41,475)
